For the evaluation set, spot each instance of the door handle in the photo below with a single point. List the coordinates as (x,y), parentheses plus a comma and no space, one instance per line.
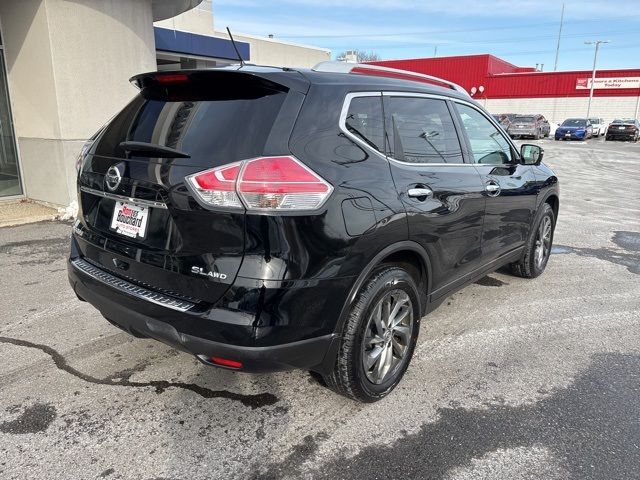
(493,189)
(419,192)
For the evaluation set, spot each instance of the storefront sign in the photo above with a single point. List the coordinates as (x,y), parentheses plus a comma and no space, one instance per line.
(613,82)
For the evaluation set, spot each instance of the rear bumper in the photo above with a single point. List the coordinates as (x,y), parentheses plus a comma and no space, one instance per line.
(523,133)
(571,135)
(621,135)
(200,331)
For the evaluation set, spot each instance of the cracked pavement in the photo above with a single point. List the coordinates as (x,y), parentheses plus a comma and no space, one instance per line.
(512,378)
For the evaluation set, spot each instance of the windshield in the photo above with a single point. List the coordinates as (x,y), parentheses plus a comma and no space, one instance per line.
(574,122)
(594,120)
(525,119)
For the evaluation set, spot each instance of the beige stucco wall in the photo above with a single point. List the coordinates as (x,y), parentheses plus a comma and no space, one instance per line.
(29,67)
(97,45)
(198,20)
(68,65)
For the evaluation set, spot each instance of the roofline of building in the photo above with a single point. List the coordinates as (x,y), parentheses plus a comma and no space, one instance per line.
(267,39)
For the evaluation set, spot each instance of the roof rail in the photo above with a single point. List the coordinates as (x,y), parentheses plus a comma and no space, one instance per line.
(345,67)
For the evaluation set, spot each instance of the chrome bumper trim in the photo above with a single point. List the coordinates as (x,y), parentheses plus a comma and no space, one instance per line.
(122,198)
(130,288)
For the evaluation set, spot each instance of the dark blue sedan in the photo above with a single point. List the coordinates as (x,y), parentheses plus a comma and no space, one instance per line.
(574,129)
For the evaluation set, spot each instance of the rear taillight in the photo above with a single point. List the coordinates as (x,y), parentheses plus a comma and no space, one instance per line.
(263,184)
(217,186)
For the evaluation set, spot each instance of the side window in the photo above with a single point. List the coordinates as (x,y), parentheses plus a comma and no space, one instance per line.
(421,131)
(488,145)
(365,121)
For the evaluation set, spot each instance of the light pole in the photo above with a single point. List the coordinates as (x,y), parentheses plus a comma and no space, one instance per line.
(593,72)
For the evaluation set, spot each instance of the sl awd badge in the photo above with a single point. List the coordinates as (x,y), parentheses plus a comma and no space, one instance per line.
(200,271)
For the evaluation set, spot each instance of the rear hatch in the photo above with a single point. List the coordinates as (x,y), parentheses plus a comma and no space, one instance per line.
(137,218)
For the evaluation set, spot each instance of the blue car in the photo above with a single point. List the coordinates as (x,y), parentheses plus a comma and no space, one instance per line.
(574,129)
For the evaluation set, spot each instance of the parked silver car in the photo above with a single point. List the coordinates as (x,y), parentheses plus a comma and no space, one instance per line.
(534,126)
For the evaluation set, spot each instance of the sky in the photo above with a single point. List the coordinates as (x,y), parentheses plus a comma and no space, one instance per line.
(523,32)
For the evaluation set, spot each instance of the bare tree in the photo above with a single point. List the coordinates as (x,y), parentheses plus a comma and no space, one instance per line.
(357,56)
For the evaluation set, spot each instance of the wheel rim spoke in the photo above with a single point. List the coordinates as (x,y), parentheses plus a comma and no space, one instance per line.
(378,319)
(401,317)
(373,356)
(398,348)
(381,366)
(371,341)
(386,311)
(403,332)
(396,309)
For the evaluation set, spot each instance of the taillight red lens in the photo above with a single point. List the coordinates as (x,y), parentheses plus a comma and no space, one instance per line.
(266,183)
(281,183)
(217,186)
(223,178)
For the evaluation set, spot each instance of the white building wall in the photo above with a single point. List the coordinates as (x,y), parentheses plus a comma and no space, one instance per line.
(558,109)
(264,50)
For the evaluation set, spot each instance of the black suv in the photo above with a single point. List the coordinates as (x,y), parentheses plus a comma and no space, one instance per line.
(265,218)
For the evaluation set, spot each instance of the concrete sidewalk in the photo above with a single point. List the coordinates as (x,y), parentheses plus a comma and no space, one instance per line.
(20,212)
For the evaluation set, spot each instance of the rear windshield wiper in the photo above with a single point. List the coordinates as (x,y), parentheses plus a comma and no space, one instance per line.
(145,149)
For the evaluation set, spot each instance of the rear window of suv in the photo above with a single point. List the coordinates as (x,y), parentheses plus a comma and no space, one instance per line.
(219,125)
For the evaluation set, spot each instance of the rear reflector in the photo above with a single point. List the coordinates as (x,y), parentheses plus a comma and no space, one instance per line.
(262,184)
(225,362)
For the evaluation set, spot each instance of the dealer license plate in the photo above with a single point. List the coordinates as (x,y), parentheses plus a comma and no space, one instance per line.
(130,219)
(567,134)
(620,128)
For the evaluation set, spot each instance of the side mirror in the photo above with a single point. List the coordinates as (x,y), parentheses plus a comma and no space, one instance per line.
(531,154)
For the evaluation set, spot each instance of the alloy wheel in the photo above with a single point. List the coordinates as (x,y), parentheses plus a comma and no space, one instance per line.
(543,242)
(387,336)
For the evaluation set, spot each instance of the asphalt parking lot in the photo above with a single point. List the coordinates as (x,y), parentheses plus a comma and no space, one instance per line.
(512,378)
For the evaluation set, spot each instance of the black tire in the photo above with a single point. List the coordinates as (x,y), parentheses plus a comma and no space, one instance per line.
(348,377)
(529,265)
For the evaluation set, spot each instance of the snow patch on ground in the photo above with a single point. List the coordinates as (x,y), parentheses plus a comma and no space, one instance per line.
(69,212)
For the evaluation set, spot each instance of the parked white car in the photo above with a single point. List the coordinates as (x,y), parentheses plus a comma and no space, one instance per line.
(599,128)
